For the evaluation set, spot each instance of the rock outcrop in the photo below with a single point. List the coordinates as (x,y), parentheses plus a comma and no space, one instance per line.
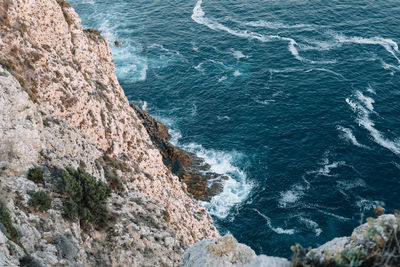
(226,251)
(61,105)
(191,170)
(375,243)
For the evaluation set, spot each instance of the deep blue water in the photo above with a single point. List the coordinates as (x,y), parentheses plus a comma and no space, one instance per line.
(297,101)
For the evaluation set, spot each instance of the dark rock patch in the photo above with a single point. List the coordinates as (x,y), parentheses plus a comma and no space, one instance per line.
(191,170)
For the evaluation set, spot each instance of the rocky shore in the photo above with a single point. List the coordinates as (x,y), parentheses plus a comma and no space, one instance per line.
(88,179)
(191,170)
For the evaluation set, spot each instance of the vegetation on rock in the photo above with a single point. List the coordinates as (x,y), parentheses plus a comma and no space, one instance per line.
(40,200)
(378,246)
(35,174)
(6,222)
(86,196)
(29,261)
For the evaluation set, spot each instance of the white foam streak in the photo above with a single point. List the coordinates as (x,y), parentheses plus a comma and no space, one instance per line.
(198,67)
(367,101)
(223,117)
(238,54)
(131,66)
(348,135)
(364,107)
(198,16)
(334,215)
(223,78)
(277,230)
(348,185)
(397,165)
(264,102)
(371,90)
(366,204)
(291,196)
(274,25)
(237,73)
(235,189)
(311,225)
(144,105)
(388,44)
(327,70)
(326,168)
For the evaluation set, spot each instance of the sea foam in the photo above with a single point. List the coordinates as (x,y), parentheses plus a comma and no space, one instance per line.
(236,188)
(274,25)
(277,230)
(291,196)
(199,17)
(363,107)
(238,54)
(310,224)
(347,134)
(389,45)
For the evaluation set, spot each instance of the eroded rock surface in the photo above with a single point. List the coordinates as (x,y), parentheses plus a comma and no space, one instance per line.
(191,170)
(226,251)
(365,244)
(61,105)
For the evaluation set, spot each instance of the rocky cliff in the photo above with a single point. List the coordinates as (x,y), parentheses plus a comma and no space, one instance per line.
(61,105)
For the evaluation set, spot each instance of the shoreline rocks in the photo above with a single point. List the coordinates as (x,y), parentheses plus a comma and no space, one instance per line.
(226,251)
(190,169)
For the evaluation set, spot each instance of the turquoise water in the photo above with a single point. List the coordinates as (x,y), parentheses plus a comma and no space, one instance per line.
(296,101)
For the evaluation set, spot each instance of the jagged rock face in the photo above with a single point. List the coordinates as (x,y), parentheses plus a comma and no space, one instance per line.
(366,242)
(61,105)
(225,252)
(192,170)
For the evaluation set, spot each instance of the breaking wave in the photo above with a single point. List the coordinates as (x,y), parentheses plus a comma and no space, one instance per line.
(236,188)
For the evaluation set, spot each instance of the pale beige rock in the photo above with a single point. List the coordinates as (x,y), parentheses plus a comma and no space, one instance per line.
(360,239)
(72,73)
(69,110)
(227,252)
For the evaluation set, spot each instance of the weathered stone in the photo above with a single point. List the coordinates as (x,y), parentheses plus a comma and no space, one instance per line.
(192,170)
(66,249)
(61,105)
(364,238)
(226,251)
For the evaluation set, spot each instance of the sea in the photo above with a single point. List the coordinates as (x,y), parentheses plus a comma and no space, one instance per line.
(297,102)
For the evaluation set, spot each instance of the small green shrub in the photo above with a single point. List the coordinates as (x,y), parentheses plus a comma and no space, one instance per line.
(40,200)
(29,261)
(351,257)
(86,196)
(6,221)
(35,174)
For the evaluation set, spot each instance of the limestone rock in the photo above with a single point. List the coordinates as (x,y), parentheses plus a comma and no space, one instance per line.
(61,105)
(366,237)
(226,251)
